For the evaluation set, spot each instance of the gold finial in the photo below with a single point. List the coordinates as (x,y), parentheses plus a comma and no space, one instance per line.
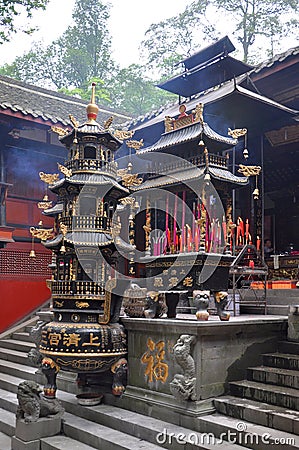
(92,109)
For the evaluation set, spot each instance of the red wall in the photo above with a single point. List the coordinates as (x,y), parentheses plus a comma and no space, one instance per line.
(22,281)
(20,297)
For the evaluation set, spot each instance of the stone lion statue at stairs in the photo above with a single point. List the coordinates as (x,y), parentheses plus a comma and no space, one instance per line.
(33,405)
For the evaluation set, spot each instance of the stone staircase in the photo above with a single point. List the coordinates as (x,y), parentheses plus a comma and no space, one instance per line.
(262,411)
(102,427)
(278,301)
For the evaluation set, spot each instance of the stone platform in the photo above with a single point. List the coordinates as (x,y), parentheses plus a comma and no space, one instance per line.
(221,351)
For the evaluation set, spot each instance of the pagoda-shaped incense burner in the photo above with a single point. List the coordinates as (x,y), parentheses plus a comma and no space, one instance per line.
(85,336)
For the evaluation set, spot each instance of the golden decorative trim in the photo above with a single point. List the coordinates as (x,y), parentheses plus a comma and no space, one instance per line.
(74,121)
(64,170)
(108,123)
(63,228)
(81,305)
(236,133)
(198,113)
(127,201)
(82,354)
(249,171)
(123,134)
(136,145)
(41,233)
(44,205)
(49,178)
(60,131)
(129,179)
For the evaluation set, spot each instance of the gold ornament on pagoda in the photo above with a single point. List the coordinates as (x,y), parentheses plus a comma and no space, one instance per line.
(129,179)
(74,121)
(198,113)
(64,170)
(238,132)
(49,178)
(41,233)
(249,171)
(127,201)
(44,205)
(124,134)
(63,228)
(136,145)
(60,131)
(108,123)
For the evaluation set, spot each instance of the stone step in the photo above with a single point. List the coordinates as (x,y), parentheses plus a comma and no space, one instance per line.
(275,395)
(63,443)
(14,356)
(253,436)
(18,370)
(281,360)
(128,423)
(274,375)
(8,401)
(289,347)
(101,437)
(260,413)
(22,336)
(137,425)
(277,310)
(7,422)
(9,382)
(20,346)
(5,442)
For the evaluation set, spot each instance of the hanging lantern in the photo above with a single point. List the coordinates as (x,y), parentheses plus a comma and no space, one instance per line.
(256,194)
(32,252)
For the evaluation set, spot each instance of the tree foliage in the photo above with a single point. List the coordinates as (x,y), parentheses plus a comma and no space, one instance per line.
(259,18)
(10,9)
(81,53)
(176,38)
(133,92)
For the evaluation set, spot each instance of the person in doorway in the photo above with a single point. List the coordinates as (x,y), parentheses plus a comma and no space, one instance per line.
(268,250)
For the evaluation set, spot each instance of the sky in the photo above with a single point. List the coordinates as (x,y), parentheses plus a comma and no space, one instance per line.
(129,19)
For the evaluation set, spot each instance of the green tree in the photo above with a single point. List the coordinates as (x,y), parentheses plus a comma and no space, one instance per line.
(176,38)
(81,53)
(134,93)
(10,9)
(250,22)
(259,18)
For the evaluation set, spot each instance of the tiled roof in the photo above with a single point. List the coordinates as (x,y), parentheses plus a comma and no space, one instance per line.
(277,59)
(47,105)
(187,134)
(168,109)
(191,175)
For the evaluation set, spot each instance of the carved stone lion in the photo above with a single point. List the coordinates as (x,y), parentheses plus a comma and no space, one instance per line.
(33,405)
